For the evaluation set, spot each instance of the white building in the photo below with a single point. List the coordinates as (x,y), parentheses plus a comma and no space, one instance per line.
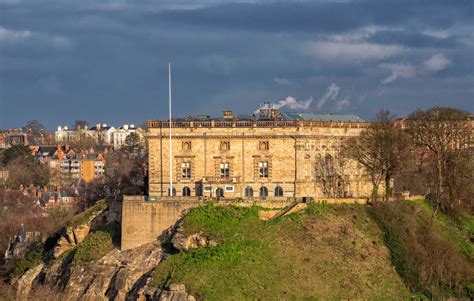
(122,133)
(64,134)
(102,133)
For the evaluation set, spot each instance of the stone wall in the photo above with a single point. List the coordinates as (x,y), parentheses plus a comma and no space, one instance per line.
(143,221)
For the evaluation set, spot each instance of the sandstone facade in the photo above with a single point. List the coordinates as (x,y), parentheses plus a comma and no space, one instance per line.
(225,158)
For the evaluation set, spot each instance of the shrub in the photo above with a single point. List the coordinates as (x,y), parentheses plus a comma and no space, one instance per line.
(428,260)
(32,259)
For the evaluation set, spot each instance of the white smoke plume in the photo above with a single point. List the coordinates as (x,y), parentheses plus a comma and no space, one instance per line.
(333,100)
(293,104)
(290,102)
(331,94)
(398,71)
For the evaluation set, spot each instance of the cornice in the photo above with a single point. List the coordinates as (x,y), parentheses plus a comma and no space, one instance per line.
(238,136)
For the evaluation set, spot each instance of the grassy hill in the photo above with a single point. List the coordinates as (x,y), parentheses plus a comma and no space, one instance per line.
(325,252)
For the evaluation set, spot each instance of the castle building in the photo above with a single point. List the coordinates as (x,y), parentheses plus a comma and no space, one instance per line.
(269,155)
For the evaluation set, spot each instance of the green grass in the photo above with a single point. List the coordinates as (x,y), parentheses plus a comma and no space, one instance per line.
(317,208)
(454,231)
(85,216)
(324,252)
(96,244)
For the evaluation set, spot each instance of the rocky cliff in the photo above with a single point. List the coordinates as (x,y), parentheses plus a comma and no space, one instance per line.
(117,275)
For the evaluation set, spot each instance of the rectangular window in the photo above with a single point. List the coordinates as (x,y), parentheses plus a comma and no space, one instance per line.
(186,170)
(263,167)
(225,170)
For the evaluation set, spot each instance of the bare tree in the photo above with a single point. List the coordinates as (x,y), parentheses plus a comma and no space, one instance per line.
(35,127)
(329,171)
(380,150)
(80,124)
(395,147)
(444,134)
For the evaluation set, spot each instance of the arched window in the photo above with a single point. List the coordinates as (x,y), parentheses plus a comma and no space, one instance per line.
(278,191)
(186,191)
(186,145)
(248,192)
(219,193)
(174,192)
(263,192)
(224,146)
(263,145)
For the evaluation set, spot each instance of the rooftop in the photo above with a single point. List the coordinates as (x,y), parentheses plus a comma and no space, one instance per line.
(321,117)
(265,117)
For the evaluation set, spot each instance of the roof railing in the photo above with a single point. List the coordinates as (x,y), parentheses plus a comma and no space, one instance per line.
(255,124)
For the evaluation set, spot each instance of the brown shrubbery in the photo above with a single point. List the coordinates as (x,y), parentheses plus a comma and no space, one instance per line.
(39,293)
(431,259)
(19,209)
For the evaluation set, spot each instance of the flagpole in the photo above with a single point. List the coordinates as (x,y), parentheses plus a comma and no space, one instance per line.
(171,151)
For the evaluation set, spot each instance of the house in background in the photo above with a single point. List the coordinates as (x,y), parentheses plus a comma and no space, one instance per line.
(122,133)
(101,133)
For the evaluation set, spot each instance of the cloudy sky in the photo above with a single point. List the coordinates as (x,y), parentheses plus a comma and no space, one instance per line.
(106,60)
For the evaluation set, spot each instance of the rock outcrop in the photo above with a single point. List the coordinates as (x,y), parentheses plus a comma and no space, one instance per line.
(173,292)
(73,235)
(112,277)
(184,242)
(70,238)
(24,284)
(118,275)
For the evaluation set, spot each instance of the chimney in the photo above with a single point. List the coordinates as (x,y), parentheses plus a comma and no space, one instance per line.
(104,125)
(228,114)
(59,128)
(265,111)
(125,126)
(274,112)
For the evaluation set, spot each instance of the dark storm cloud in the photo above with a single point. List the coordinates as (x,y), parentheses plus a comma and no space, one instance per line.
(106,61)
(331,16)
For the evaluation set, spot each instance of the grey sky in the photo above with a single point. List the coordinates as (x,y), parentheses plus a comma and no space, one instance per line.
(106,61)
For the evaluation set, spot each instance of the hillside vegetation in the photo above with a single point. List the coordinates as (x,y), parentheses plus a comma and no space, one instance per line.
(325,252)
(388,251)
(433,257)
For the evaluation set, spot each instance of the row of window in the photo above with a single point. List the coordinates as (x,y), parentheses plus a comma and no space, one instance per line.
(263,192)
(224,169)
(225,145)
